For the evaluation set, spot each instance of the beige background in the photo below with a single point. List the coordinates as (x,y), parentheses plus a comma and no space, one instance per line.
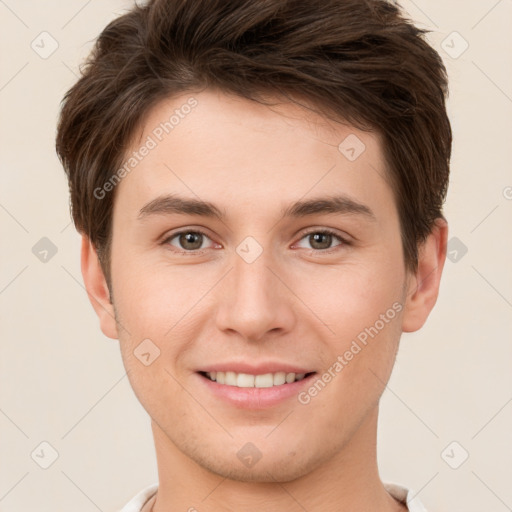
(62,382)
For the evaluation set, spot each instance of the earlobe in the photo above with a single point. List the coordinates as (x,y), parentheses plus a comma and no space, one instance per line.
(424,284)
(97,289)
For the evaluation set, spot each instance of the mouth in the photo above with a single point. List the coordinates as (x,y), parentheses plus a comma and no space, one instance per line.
(247,380)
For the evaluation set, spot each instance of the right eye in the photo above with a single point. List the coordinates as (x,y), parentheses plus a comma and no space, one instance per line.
(187,241)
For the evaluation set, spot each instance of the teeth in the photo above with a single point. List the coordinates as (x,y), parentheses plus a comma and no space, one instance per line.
(279,378)
(244,380)
(230,379)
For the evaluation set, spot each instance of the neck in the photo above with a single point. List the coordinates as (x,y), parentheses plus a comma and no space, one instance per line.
(347,481)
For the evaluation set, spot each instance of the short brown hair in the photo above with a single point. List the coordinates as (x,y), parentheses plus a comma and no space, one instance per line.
(358,61)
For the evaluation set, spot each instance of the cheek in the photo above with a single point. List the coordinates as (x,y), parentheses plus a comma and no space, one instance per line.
(152,305)
(361,308)
(153,299)
(163,309)
(351,298)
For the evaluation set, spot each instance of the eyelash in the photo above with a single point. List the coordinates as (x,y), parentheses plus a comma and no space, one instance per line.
(324,231)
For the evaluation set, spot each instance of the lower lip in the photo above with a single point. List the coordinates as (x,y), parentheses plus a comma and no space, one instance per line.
(255,398)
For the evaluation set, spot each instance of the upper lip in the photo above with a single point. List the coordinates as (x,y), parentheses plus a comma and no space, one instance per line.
(255,369)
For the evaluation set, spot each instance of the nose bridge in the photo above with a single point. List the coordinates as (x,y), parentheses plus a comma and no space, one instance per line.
(251,272)
(252,300)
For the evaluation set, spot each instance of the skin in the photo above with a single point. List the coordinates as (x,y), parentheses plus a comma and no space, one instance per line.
(291,304)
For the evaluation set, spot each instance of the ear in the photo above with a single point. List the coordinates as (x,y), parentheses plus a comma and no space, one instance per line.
(423,286)
(97,289)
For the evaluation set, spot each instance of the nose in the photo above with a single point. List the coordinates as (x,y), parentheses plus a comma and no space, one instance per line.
(254,298)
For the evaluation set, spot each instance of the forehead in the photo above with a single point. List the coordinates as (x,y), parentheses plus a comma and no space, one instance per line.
(242,154)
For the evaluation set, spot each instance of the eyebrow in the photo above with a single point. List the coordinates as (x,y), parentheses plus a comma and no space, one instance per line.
(175,204)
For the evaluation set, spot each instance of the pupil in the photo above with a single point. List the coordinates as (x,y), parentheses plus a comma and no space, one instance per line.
(317,237)
(188,238)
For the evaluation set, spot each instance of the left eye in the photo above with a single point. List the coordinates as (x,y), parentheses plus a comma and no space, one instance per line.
(322,239)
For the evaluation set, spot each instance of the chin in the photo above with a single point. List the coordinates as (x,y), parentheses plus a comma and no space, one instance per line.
(268,469)
(261,473)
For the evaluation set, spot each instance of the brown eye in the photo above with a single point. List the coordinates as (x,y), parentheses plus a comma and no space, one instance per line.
(191,240)
(187,241)
(321,240)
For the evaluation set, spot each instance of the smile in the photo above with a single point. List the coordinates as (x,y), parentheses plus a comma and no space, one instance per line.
(245,380)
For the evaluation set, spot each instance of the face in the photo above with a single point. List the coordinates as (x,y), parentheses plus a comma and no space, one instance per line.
(292,267)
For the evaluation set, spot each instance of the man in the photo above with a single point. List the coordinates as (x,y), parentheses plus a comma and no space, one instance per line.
(302,149)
